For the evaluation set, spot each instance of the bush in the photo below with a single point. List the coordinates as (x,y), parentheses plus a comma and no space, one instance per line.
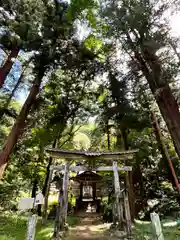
(107,211)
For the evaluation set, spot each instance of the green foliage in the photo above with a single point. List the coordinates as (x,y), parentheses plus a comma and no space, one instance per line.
(106,209)
(143,231)
(100,78)
(80,8)
(93,42)
(15,227)
(15,184)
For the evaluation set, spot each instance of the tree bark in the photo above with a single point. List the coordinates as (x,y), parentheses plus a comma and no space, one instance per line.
(160,146)
(18,127)
(152,70)
(46,196)
(128,176)
(163,94)
(47,175)
(46,179)
(164,150)
(6,105)
(48,170)
(108,136)
(34,188)
(6,68)
(170,112)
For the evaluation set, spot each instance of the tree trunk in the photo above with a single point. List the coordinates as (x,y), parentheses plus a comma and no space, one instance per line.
(160,146)
(48,170)
(6,105)
(138,178)
(47,175)
(118,139)
(152,70)
(163,94)
(169,109)
(47,178)
(34,188)
(46,196)
(164,150)
(18,127)
(6,68)
(108,136)
(129,177)
(170,112)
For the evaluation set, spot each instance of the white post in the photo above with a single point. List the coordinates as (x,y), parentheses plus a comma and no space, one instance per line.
(31,227)
(65,191)
(157,226)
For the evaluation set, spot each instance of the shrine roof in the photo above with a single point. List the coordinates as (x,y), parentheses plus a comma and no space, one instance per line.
(87,176)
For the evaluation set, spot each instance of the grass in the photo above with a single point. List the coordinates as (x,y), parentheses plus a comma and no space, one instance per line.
(13,227)
(143,231)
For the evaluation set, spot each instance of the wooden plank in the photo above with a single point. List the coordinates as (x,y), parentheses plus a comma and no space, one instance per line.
(119,206)
(83,168)
(157,229)
(110,168)
(31,230)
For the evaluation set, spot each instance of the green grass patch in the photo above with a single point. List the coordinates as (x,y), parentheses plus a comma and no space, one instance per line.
(143,231)
(13,227)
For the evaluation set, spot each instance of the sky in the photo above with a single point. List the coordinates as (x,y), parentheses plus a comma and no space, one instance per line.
(174,23)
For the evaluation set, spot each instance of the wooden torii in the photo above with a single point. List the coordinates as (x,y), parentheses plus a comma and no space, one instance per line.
(112,157)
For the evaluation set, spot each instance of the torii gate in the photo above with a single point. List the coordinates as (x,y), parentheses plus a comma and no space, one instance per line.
(112,157)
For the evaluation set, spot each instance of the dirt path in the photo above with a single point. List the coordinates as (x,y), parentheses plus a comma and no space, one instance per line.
(89,228)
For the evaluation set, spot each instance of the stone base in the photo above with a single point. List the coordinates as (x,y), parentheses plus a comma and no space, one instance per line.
(66,227)
(62,235)
(119,235)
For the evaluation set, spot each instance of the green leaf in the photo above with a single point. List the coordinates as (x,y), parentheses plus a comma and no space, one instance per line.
(91,18)
(93,43)
(102,96)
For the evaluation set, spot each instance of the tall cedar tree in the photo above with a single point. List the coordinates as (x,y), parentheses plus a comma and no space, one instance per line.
(56,32)
(20,23)
(138,27)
